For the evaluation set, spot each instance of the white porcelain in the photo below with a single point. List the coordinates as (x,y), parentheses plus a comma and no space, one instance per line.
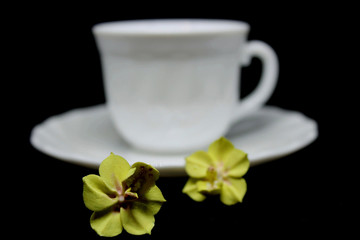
(173,85)
(87,136)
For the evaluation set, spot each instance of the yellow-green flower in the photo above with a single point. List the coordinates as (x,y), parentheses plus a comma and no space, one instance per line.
(122,197)
(220,170)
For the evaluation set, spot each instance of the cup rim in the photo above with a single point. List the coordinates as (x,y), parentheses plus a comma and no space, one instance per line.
(170,27)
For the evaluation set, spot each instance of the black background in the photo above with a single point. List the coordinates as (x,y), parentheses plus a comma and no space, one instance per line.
(54,67)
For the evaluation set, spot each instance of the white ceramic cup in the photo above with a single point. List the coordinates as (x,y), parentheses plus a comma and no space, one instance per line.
(173,85)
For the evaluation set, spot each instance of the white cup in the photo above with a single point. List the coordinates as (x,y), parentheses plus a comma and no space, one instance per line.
(173,85)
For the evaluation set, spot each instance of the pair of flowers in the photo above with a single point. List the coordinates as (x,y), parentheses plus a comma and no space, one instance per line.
(126,197)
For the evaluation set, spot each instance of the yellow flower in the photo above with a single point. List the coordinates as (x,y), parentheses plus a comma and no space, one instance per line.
(122,197)
(220,170)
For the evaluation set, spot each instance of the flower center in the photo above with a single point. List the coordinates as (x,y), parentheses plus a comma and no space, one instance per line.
(124,195)
(216,173)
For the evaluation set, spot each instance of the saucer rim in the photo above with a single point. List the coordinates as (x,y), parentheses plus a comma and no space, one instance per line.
(168,170)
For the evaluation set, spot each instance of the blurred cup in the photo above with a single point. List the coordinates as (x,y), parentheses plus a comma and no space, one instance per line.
(172,85)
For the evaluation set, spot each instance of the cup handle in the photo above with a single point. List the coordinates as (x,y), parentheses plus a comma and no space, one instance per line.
(268,79)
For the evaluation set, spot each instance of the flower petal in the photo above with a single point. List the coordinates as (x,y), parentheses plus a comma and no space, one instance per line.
(130,172)
(154,194)
(106,223)
(137,219)
(96,194)
(114,168)
(191,189)
(233,191)
(154,199)
(143,178)
(220,148)
(236,163)
(197,164)
(208,188)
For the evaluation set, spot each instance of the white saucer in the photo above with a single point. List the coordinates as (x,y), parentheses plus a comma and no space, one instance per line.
(86,136)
